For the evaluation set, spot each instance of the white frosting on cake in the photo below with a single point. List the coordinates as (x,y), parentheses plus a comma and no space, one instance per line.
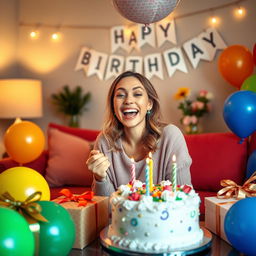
(165,221)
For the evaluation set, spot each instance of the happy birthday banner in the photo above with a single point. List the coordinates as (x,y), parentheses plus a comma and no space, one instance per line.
(202,47)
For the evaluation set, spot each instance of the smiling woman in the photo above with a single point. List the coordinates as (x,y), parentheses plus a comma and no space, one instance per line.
(133,129)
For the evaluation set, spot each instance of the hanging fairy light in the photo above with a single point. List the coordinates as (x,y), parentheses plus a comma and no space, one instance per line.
(147,12)
(34,34)
(214,20)
(56,36)
(240,12)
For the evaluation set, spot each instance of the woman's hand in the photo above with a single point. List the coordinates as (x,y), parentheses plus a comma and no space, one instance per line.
(98,164)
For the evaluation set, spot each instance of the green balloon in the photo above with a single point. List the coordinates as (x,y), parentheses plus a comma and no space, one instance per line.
(57,236)
(15,235)
(249,84)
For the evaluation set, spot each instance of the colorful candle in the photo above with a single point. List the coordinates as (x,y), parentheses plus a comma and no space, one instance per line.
(174,173)
(132,170)
(147,178)
(150,172)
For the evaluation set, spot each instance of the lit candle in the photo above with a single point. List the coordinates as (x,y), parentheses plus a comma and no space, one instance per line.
(132,172)
(147,177)
(150,171)
(174,173)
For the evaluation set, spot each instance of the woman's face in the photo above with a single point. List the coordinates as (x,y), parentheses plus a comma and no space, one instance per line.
(131,102)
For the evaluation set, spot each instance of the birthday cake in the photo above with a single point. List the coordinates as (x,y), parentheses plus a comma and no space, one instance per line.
(166,220)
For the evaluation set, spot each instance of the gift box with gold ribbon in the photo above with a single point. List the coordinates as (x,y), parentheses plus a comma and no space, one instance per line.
(215,212)
(217,207)
(90,214)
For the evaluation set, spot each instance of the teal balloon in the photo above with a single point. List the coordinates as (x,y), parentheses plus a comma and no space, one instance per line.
(249,84)
(57,236)
(16,239)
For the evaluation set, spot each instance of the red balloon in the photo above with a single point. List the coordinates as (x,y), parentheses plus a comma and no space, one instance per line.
(254,54)
(236,64)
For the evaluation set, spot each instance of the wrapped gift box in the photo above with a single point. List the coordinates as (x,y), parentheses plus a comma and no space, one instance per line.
(89,220)
(215,212)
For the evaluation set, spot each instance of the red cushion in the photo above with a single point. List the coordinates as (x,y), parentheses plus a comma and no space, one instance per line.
(202,195)
(86,134)
(216,156)
(38,165)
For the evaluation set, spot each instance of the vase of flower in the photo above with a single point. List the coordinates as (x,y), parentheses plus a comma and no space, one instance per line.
(193,110)
(192,129)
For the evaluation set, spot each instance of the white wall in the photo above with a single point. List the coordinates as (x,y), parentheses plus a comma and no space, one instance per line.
(8,48)
(54,63)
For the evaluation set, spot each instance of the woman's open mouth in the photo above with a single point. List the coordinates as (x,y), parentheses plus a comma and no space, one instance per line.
(130,113)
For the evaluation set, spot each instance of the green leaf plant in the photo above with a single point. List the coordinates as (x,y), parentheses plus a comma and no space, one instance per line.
(71,103)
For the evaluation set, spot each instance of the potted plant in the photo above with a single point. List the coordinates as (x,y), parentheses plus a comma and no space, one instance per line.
(71,103)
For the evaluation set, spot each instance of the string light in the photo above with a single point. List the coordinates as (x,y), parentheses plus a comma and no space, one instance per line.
(34,34)
(239,12)
(213,20)
(55,36)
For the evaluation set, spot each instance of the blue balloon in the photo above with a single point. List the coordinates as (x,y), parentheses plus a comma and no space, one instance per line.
(240,113)
(240,225)
(251,165)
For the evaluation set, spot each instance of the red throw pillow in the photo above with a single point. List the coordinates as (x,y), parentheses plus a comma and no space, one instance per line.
(216,156)
(67,160)
(86,134)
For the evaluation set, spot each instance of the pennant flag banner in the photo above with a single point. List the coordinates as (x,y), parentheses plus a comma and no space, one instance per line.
(202,47)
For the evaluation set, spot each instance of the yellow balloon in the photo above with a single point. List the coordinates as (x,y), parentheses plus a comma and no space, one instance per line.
(24,141)
(21,182)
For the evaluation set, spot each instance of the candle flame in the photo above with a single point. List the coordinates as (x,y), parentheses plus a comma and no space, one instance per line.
(150,155)
(174,158)
(147,160)
(132,159)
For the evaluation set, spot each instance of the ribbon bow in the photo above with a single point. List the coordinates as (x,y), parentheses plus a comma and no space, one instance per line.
(28,208)
(231,189)
(81,199)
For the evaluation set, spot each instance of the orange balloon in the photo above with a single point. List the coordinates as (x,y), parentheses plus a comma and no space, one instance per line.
(236,64)
(24,141)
